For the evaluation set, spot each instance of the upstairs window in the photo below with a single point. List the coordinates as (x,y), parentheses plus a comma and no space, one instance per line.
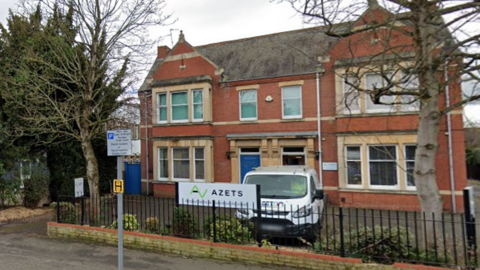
(291,102)
(411,84)
(197,101)
(376,81)
(248,105)
(162,108)
(179,106)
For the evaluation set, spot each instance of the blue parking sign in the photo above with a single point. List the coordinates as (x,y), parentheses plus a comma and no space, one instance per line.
(110,136)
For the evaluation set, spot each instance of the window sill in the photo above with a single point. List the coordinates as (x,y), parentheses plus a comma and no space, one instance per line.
(182,124)
(287,120)
(377,190)
(253,121)
(370,114)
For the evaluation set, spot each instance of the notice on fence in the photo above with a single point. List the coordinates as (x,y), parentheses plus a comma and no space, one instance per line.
(224,195)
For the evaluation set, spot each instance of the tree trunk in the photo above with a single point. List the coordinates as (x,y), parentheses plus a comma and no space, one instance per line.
(424,36)
(425,171)
(93,178)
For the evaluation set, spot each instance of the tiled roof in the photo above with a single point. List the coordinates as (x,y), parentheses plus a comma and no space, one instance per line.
(274,55)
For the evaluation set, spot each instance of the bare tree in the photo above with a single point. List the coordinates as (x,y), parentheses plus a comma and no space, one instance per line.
(79,82)
(421,47)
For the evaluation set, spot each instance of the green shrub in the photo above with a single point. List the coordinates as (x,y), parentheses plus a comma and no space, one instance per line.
(9,190)
(130,223)
(183,223)
(67,213)
(378,244)
(152,225)
(36,185)
(229,229)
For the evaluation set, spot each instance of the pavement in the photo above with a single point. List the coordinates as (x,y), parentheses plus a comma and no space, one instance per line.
(26,246)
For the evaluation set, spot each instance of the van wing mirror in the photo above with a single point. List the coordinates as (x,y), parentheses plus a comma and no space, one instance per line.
(319,194)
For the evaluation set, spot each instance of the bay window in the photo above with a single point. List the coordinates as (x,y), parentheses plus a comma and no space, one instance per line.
(382,161)
(162,108)
(179,106)
(197,101)
(199,156)
(181,163)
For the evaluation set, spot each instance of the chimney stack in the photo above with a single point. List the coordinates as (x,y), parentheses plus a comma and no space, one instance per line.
(162,51)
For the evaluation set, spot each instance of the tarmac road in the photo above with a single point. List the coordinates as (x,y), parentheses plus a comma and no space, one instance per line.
(26,246)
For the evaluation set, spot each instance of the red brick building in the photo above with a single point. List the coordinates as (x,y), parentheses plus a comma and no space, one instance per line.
(216,111)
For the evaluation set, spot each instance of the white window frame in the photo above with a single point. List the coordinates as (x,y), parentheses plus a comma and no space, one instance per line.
(407,187)
(240,105)
(301,105)
(159,161)
(159,121)
(380,107)
(173,165)
(395,187)
(171,106)
(347,110)
(361,167)
(193,105)
(195,165)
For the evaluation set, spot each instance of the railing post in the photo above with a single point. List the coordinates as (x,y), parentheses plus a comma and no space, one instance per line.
(342,239)
(214,221)
(82,221)
(58,208)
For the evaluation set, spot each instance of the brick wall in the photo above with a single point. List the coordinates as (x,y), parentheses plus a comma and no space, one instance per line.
(219,251)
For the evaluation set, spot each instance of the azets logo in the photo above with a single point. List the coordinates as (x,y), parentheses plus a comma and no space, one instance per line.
(196,190)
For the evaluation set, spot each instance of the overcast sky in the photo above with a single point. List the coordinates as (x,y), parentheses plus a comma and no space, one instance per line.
(209,21)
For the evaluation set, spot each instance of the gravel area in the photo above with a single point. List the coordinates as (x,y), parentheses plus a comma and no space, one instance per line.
(22,214)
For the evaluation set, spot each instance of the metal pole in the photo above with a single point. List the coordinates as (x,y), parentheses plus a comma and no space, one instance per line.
(146,142)
(320,71)
(120,216)
(450,142)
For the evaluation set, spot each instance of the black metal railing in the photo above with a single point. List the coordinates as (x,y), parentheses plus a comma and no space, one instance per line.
(382,236)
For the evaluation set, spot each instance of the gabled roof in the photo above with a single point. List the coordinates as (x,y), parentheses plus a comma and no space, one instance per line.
(274,55)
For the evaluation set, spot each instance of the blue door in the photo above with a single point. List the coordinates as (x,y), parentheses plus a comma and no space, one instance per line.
(248,163)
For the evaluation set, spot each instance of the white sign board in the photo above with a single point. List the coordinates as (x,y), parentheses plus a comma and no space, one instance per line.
(79,191)
(119,142)
(330,166)
(224,195)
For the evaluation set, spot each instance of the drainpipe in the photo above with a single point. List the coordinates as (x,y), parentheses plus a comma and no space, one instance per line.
(450,147)
(146,141)
(320,70)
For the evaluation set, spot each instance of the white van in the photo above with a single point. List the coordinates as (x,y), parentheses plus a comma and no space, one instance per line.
(291,198)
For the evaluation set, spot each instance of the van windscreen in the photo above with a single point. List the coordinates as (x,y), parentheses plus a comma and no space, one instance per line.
(280,186)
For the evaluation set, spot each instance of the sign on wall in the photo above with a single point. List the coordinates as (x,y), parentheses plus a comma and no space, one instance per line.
(119,142)
(330,166)
(224,195)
